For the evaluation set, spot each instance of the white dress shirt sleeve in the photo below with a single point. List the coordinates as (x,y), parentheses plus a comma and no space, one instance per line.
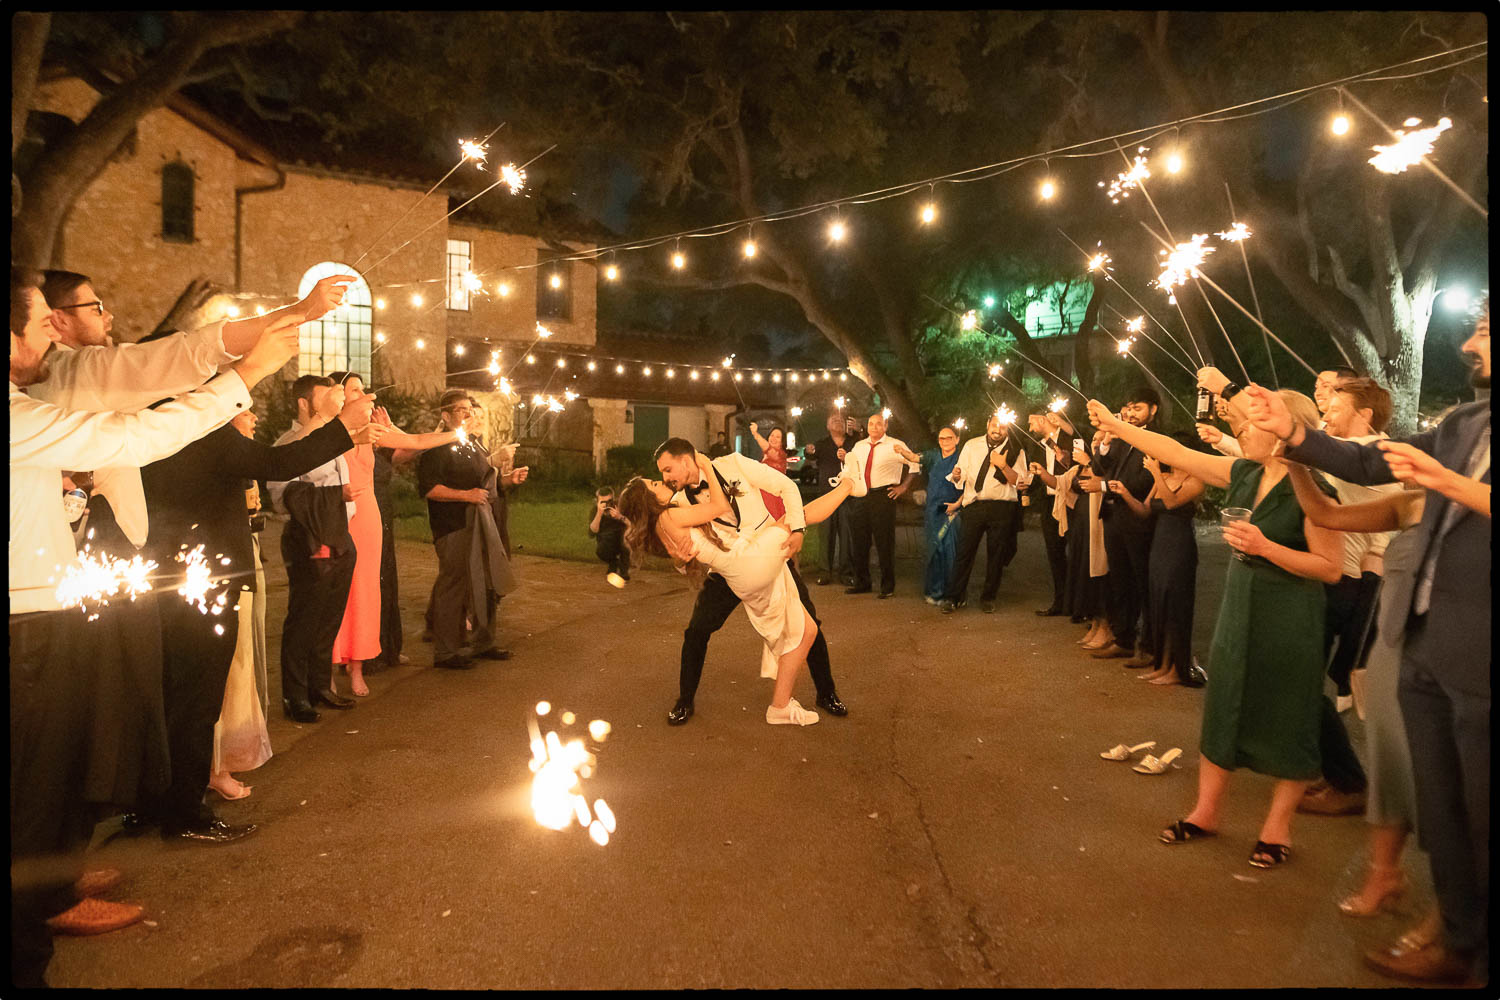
(43,435)
(763,477)
(1228,445)
(130,377)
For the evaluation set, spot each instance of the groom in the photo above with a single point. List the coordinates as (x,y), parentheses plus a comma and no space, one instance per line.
(676,460)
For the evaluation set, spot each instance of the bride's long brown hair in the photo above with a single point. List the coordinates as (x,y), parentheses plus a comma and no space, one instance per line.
(641,511)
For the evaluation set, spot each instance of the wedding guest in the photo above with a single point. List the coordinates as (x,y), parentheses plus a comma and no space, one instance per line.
(828,454)
(941,515)
(54,715)
(1094,554)
(1052,430)
(358,637)
(457,482)
(1127,538)
(1167,642)
(1445,665)
(873,517)
(773,453)
(988,471)
(608,528)
(316,546)
(720,447)
(1266,667)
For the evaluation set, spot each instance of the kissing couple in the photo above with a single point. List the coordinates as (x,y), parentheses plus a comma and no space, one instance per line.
(710,519)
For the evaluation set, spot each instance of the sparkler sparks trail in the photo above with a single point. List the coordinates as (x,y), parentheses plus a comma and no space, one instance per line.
(969,320)
(472,150)
(1409,147)
(1183,262)
(1005,415)
(994,370)
(1137,325)
(1100,262)
(1058,404)
(1127,181)
(1237,232)
(559,770)
(513,177)
(93,579)
(542,332)
(1122,347)
(199,579)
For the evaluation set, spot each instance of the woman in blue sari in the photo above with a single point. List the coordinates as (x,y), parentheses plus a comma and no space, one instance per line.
(942,505)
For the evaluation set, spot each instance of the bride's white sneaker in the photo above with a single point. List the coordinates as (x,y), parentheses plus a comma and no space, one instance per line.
(854,475)
(793,715)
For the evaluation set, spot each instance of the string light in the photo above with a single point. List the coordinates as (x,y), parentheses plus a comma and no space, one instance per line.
(1174,162)
(420,343)
(646,370)
(416,300)
(619,369)
(678,260)
(738,376)
(929,214)
(776,377)
(611,273)
(232,311)
(531,359)
(755,378)
(379,338)
(562,362)
(671,373)
(795,377)
(1340,124)
(714,376)
(504,289)
(592,366)
(837,231)
(693,374)
(380,303)
(749,248)
(458,349)
(1048,189)
(555,281)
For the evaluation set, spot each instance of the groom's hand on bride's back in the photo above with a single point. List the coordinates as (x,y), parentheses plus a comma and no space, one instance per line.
(793,545)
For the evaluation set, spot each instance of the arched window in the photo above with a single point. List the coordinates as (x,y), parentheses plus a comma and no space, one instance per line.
(340,341)
(177,202)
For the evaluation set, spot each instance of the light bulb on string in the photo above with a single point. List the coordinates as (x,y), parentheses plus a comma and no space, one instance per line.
(826,376)
(379,338)
(693,374)
(739,376)
(671,373)
(837,230)
(929,214)
(1174,162)
(611,273)
(794,377)
(713,376)
(458,349)
(1340,124)
(843,377)
(776,377)
(562,362)
(646,370)
(1048,189)
(380,303)
(420,343)
(619,369)
(555,280)
(755,378)
(503,288)
(591,366)
(531,359)
(749,249)
(416,300)
(678,260)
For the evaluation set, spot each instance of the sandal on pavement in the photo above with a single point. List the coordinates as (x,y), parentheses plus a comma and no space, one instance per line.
(97,882)
(1154,765)
(1182,831)
(1122,752)
(1269,855)
(95,916)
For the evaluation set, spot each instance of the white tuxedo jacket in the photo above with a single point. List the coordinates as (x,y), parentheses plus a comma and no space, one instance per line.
(748,511)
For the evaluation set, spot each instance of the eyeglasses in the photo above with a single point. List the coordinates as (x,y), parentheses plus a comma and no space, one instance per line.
(97,305)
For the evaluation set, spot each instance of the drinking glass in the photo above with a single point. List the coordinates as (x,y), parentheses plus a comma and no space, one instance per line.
(1234,515)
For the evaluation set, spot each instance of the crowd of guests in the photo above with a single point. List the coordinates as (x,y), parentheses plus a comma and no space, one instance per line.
(145,704)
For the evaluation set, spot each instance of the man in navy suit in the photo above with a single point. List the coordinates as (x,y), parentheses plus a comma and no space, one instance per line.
(1445,666)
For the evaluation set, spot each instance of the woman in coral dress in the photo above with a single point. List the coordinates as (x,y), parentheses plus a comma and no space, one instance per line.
(359,635)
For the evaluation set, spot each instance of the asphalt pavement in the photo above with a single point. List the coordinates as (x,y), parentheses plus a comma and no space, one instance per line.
(958,828)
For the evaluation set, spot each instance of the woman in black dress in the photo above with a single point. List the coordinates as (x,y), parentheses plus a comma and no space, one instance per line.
(1167,641)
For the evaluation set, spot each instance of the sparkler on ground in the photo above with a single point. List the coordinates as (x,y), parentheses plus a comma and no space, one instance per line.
(559,770)
(1235,302)
(468,150)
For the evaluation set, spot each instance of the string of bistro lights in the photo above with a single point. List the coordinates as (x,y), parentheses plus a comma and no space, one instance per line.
(1399,154)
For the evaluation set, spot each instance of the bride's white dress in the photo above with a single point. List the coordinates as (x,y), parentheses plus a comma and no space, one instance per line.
(755,569)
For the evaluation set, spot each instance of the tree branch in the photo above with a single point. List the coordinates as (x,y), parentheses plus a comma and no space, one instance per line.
(28,38)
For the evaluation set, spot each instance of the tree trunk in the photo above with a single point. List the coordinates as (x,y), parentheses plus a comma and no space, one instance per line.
(194,297)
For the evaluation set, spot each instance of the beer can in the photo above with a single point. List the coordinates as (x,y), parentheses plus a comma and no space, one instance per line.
(75,502)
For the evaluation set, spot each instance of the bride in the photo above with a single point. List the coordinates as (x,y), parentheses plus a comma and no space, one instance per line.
(753,565)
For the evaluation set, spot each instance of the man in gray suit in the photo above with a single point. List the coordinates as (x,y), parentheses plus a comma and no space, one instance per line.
(1444,611)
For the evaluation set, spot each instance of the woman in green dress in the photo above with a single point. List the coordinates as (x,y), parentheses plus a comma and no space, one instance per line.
(1265,673)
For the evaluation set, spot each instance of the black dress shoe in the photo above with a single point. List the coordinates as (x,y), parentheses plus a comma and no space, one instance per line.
(1051,612)
(207,831)
(334,700)
(857,590)
(299,711)
(948,607)
(680,713)
(988,607)
(1077,620)
(493,653)
(824,579)
(832,705)
(133,824)
(454,663)
(884,594)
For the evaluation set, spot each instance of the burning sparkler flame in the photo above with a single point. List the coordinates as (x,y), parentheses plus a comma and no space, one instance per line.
(542,332)
(969,320)
(513,177)
(1099,261)
(1127,181)
(1409,147)
(839,402)
(1237,232)
(471,282)
(199,579)
(472,150)
(995,370)
(1005,415)
(960,424)
(559,770)
(1058,404)
(1122,347)
(1183,262)
(94,579)
(1136,325)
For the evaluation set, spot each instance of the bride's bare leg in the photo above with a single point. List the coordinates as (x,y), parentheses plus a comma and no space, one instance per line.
(792,662)
(821,509)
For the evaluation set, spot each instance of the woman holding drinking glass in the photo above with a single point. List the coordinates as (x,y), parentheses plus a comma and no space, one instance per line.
(1265,675)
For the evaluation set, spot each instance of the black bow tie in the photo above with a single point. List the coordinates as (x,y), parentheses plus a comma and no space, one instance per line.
(693,491)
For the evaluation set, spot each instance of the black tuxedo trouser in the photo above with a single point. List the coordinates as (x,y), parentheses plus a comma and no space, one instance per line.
(715,603)
(1128,546)
(1448,732)
(195,668)
(995,522)
(873,517)
(1057,554)
(317,593)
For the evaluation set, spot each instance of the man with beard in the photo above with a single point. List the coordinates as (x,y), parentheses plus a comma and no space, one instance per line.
(988,469)
(1443,617)
(1127,538)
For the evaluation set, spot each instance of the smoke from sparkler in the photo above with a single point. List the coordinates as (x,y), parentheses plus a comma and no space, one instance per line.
(1409,147)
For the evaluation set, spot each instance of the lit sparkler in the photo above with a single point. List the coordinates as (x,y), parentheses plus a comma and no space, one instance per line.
(839,402)
(199,579)
(542,332)
(513,177)
(93,579)
(1237,232)
(1100,261)
(969,320)
(471,282)
(1128,181)
(472,150)
(1058,404)
(1005,415)
(1122,347)
(1409,147)
(796,411)
(959,424)
(1137,325)
(995,369)
(559,770)
(1183,262)
(886,413)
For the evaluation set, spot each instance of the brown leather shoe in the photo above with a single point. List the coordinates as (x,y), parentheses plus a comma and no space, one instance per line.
(1332,802)
(1432,964)
(97,883)
(1114,651)
(95,916)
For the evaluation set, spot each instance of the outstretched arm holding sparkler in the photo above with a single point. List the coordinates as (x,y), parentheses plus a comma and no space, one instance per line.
(241,334)
(1212,469)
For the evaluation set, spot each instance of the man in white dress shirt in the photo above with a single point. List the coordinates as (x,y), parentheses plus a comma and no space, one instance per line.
(989,469)
(49,681)
(743,480)
(889,468)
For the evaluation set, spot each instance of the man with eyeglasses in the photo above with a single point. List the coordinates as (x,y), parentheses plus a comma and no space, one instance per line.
(77,311)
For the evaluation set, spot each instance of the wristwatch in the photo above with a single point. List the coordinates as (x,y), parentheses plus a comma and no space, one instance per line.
(1229,391)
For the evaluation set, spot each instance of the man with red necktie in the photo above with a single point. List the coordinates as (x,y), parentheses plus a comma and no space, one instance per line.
(889,466)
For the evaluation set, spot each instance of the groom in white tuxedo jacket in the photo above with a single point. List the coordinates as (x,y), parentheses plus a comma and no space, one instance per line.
(675,459)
